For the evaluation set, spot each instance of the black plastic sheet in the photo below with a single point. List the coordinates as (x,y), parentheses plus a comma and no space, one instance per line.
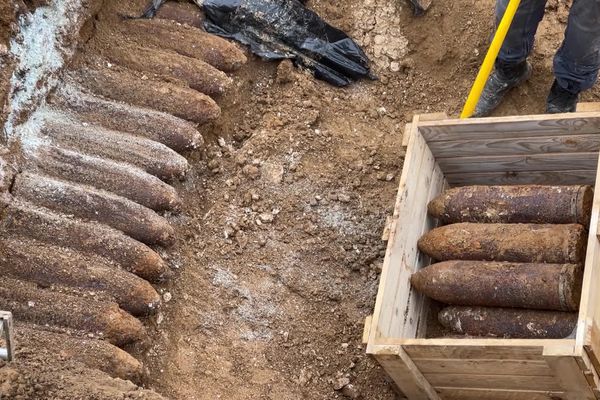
(278,29)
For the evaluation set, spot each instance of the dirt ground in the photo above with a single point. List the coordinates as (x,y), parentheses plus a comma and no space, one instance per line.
(280,247)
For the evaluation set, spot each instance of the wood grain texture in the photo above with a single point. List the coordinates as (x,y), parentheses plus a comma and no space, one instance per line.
(572,177)
(506,382)
(571,378)
(469,352)
(490,394)
(520,163)
(490,367)
(511,127)
(414,387)
(516,146)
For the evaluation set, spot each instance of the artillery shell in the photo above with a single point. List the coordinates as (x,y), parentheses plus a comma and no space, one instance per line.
(32,304)
(176,133)
(183,13)
(196,73)
(119,178)
(498,284)
(93,353)
(25,219)
(89,203)
(49,266)
(123,85)
(153,157)
(528,243)
(185,40)
(508,322)
(515,204)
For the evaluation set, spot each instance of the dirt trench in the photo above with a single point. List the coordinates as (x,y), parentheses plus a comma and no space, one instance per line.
(277,248)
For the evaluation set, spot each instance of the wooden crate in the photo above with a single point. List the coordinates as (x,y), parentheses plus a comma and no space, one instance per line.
(441,153)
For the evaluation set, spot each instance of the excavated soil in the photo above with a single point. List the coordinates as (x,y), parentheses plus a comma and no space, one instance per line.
(278,247)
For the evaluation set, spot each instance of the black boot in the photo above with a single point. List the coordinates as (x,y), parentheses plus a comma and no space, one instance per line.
(561,100)
(501,81)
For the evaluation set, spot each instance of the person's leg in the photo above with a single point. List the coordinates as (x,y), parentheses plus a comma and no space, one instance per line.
(521,35)
(577,62)
(512,68)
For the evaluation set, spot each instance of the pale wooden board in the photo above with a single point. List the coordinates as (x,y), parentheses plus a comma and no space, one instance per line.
(584,177)
(458,351)
(571,378)
(589,310)
(506,382)
(535,162)
(490,394)
(489,367)
(588,107)
(385,309)
(511,127)
(516,146)
(404,377)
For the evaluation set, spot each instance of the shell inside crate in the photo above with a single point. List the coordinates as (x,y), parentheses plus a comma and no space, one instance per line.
(558,149)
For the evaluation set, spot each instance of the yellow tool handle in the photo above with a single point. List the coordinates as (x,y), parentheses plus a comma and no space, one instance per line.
(490,59)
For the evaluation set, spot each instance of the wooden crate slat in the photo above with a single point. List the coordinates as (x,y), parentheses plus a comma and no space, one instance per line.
(490,367)
(516,146)
(484,381)
(407,377)
(507,352)
(535,162)
(571,378)
(510,127)
(490,394)
(577,177)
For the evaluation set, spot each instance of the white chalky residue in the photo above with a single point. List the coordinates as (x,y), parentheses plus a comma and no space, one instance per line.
(41,52)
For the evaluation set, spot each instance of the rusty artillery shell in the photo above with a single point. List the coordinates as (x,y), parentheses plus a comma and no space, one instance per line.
(185,40)
(515,204)
(176,133)
(92,204)
(183,13)
(93,353)
(32,304)
(25,219)
(508,322)
(119,178)
(126,86)
(528,243)
(153,157)
(502,284)
(198,74)
(50,266)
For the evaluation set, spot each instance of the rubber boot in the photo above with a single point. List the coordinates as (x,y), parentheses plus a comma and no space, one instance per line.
(500,82)
(561,100)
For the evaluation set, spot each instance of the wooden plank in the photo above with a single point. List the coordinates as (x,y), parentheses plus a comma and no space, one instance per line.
(406,136)
(367,329)
(589,312)
(535,162)
(466,351)
(417,119)
(408,378)
(583,177)
(590,373)
(477,366)
(511,127)
(588,107)
(484,381)
(516,146)
(491,394)
(395,275)
(571,378)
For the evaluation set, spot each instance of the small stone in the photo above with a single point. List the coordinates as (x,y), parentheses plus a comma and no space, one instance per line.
(31,304)
(350,391)
(340,383)
(159,318)
(390,177)
(267,218)
(251,171)
(344,198)
(285,72)
(345,345)
(221,142)
(395,66)
(167,297)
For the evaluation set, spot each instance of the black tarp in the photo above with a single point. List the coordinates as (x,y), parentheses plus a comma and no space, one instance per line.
(278,29)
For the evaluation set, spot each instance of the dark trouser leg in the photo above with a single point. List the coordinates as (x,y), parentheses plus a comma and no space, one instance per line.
(519,41)
(577,62)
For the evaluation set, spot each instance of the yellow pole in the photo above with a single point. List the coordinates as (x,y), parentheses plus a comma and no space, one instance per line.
(490,59)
